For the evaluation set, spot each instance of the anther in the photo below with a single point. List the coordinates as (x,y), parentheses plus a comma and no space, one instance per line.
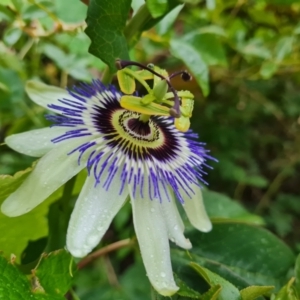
(185,75)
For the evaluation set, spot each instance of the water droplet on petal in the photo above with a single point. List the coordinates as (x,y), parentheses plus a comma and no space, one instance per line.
(92,240)
(176,227)
(152,210)
(163,275)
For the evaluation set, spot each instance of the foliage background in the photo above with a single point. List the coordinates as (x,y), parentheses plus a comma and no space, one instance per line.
(244,56)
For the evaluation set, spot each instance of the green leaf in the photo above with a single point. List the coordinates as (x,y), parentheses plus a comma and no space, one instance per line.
(253,292)
(35,12)
(256,47)
(212,293)
(297,274)
(193,60)
(53,272)
(168,20)
(16,232)
(184,290)
(222,207)
(242,254)
(106,22)
(62,9)
(228,291)
(12,35)
(140,287)
(283,48)
(210,4)
(5,13)
(263,16)
(8,183)
(157,8)
(212,29)
(18,4)
(288,292)
(15,286)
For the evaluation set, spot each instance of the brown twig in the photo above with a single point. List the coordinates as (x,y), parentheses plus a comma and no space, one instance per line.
(104,250)
(110,272)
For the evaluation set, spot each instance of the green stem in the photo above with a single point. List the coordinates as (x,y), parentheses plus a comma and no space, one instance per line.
(26,48)
(273,188)
(136,25)
(144,118)
(107,76)
(73,294)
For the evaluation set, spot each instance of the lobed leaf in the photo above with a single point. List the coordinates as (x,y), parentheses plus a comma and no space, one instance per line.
(15,286)
(106,21)
(54,272)
(252,292)
(220,207)
(228,290)
(243,254)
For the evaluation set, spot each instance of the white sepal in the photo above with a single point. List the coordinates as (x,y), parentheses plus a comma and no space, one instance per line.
(174,223)
(44,95)
(94,210)
(195,209)
(52,171)
(153,239)
(36,142)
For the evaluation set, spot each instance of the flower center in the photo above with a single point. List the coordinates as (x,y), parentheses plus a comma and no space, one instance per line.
(139,127)
(139,133)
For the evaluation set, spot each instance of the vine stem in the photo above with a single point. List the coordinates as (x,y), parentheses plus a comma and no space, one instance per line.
(136,24)
(107,76)
(103,251)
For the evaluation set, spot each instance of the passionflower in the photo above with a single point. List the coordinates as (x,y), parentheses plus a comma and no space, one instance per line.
(149,162)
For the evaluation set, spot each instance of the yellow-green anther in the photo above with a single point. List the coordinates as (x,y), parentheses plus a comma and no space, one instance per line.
(187,106)
(160,90)
(134,104)
(126,82)
(146,100)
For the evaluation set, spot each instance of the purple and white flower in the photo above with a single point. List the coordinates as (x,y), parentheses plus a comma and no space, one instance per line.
(151,163)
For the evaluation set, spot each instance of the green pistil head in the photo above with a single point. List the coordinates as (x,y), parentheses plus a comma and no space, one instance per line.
(144,118)
(160,90)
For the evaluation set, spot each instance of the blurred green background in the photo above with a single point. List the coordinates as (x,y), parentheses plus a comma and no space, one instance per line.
(246,54)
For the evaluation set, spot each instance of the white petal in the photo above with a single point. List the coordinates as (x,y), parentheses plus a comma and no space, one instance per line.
(94,210)
(195,210)
(35,143)
(174,223)
(44,95)
(153,239)
(53,170)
